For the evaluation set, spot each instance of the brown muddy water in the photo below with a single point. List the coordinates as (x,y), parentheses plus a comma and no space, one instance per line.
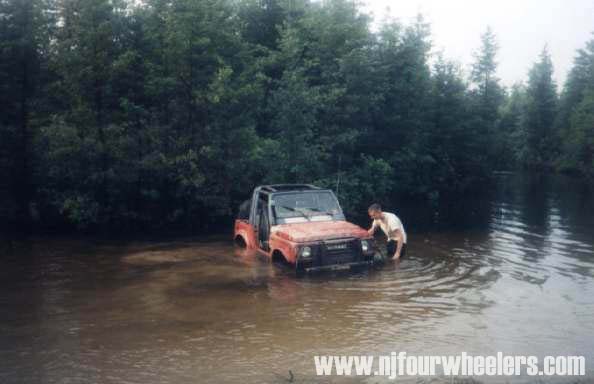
(514,275)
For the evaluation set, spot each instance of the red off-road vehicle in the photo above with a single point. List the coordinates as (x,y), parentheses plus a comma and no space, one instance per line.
(302,225)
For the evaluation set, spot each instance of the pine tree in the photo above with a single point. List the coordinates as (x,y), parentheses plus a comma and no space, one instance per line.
(487,98)
(450,139)
(542,141)
(572,119)
(510,132)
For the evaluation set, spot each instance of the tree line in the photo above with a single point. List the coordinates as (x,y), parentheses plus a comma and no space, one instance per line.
(126,115)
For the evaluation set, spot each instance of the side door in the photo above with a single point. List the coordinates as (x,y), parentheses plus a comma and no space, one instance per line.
(243,228)
(260,219)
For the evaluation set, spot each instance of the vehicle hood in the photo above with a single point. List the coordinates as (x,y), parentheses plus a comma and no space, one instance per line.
(321,230)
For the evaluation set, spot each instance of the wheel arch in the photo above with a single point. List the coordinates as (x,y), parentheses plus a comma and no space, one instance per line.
(279,256)
(240,240)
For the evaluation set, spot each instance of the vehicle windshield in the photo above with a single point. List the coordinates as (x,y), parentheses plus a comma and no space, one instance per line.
(300,207)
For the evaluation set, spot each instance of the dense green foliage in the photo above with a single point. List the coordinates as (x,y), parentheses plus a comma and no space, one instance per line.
(165,114)
(575,119)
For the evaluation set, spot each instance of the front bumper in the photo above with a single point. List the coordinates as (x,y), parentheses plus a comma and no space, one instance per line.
(338,267)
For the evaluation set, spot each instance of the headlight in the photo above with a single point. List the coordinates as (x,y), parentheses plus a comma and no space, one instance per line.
(364,245)
(306,252)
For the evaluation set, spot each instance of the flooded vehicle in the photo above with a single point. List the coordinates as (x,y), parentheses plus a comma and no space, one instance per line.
(304,226)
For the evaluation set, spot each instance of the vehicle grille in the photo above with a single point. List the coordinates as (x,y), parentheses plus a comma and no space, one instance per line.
(339,251)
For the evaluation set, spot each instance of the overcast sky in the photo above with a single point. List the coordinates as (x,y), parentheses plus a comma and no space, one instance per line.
(522,27)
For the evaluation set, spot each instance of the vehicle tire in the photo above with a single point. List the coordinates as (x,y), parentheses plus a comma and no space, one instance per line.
(240,242)
(278,258)
(379,258)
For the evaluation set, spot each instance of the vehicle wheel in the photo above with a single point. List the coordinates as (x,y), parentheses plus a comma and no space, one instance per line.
(240,242)
(378,258)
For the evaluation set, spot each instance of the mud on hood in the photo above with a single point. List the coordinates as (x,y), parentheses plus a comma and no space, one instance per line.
(322,230)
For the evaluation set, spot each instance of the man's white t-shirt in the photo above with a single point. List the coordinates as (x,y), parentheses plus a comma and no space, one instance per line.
(389,224)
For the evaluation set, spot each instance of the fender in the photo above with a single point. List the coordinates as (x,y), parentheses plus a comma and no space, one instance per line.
(246,231)
(287,248)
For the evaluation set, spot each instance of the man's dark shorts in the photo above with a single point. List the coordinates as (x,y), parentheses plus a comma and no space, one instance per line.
(392,246)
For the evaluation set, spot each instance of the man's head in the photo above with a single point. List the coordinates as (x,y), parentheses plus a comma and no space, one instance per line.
(375,211)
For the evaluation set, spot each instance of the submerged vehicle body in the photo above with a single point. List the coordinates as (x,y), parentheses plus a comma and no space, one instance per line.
(302,225)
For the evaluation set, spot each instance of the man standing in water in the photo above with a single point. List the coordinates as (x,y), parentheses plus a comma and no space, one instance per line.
(392,227)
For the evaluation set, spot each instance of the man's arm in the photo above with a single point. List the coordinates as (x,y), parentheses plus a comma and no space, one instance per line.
(397,234)
(371,230)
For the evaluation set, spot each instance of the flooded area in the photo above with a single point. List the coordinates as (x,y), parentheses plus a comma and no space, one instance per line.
(514,273)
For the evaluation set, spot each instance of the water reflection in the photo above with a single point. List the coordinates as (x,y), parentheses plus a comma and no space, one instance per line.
(517,276)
